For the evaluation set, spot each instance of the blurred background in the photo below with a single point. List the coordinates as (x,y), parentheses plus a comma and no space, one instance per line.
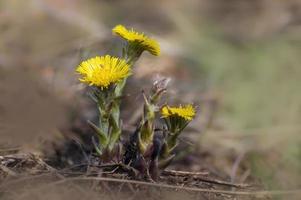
(237,60)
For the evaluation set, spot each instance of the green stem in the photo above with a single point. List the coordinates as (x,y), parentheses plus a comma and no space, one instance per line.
(172,141)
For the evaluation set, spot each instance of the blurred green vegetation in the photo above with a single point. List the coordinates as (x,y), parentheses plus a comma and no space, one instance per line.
(260,81)
(261,93)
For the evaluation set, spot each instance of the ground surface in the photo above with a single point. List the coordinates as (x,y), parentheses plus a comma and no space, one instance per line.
(27,176)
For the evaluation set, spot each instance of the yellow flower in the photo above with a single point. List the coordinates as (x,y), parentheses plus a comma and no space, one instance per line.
(187,112)
(142,40)
(103,71)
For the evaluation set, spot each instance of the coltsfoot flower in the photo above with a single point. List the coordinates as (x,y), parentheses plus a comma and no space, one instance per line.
(187,112)
(147,150)
(103,71)
(139,39)
(176,119)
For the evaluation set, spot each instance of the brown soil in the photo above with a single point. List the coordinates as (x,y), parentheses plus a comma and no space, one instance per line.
(28,176)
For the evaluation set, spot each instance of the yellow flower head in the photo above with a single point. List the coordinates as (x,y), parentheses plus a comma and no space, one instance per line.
(103,71)
(145,42)
(187,112)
